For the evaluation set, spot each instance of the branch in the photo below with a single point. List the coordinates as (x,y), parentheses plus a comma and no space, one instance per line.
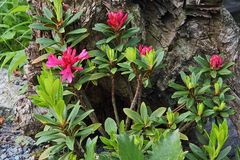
(87,106)
(134,101)
(114,101)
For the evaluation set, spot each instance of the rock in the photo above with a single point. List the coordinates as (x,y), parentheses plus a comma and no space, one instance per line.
(23,112)
(9,92)
(14,145)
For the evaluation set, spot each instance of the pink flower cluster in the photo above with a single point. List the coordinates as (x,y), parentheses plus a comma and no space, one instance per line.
(143,50)
(67,62)
(116,20)
(216,62)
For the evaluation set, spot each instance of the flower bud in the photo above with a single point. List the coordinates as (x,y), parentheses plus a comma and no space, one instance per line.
(219,108)
(216,88)
(216,62)
(116,20)
(170,117)
(65,7)
(188,83)
(222,106)
(110,54)
(143,50)
(200,108)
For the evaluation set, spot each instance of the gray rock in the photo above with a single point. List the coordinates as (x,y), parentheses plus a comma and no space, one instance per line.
(9,93)
(3,156)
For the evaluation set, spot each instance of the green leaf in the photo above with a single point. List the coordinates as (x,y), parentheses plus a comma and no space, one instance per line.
(73,113)
(130,32)
(182,116)
(144,111)
(40,26)
(223,154)
(67,92)
(102,41)
(180,94)
(40,58)
(18,60)
(158,113)
(101,27)
(47,138)
(128,150)
(43,119)
(57,148)
(79,39)
(46,133)
(191,156)
(90,149)
(46,153)
(20,8)
(110,126)
(213,74)
(223,72)
(58,9)
(237,154)
(89,130)
(204,89)
(133,115)
(70,142)
(109,39)
(8,57)
(201,61)
(74,18)
(59,108)
(140,63)
(168,148)
(208,112)
(177,86)
(45,42)
(77,31)
(79,119)
(198,151)
(159,58)
(113,70)
(45,20)
(91,77)
(47,13)
(133,42)
(8,35)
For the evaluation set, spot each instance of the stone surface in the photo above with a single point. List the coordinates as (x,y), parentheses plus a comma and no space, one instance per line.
(9,92)
(14,145)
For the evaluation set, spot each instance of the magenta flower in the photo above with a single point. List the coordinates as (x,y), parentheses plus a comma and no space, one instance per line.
(143,50)
(116,20)
(216,62)
(67,62)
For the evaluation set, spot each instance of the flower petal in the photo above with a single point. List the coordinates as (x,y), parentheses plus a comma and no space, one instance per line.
(77,68)
(53,61)
(67,74)
(83,55)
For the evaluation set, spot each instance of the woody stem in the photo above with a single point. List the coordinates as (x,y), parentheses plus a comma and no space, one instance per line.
(134,101)
(114,100)
(87,106)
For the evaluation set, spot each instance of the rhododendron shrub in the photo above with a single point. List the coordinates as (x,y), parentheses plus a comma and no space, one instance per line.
(203,96)
(116,32)
(204,91)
